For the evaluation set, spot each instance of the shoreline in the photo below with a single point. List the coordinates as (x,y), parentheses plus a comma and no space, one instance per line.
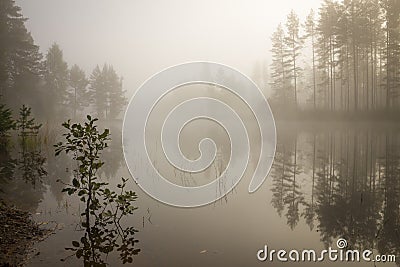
(18,233)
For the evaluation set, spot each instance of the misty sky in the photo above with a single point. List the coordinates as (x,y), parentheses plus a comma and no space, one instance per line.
(141,38)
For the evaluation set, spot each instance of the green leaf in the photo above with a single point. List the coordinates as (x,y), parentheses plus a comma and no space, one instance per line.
(79,253)
(75,243)
(75,182)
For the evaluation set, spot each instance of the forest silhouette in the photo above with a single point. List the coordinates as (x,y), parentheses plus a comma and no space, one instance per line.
(46,83)
(342,60)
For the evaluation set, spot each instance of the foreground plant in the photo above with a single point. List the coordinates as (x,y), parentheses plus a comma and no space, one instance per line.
(26,123)
(104,208)
(31,162)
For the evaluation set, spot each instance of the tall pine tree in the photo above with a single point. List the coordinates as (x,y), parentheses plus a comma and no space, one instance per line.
(56,78)
(108,95)
(279,69)
(78,83)
(20,60)
(293,43)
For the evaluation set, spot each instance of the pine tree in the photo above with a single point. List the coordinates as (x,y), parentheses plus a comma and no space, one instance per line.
(327,28)
(117,99)
(293,43)
(6,124)
(344,57)
(20,59)
(279,68)
(78,82)
(106,87)
(56,77)
(98,91)
(391,10)
(310,28)
(355,47)
(26,123)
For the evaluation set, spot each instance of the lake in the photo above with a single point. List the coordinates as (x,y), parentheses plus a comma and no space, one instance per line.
(329,180)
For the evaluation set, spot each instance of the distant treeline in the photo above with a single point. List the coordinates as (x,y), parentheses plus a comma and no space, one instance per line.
(46,83)
(345,58)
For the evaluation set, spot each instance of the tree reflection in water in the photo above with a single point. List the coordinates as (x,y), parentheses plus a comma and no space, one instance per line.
(7,166)
(351,185)
(106,233)
(103,238)
(31,166)
(22,169)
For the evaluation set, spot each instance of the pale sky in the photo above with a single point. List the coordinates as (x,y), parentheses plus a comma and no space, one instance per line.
(140,38)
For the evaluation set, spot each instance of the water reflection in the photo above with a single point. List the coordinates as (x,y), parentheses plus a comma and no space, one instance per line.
(22,169)
(59,173)
(31,166)
(7,166)
(102,238)
(344,182)
(113,154)
(339,181)
(28,168)
(105,208)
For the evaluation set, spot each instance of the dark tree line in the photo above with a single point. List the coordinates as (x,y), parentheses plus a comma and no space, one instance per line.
(47,83)
(349,184)
(348,56)
(73,90)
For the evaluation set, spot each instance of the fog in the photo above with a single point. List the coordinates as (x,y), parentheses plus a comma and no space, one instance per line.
(140,38)
(68,134)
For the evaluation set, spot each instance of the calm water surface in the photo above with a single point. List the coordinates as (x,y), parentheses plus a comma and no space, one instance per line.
(329,181)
